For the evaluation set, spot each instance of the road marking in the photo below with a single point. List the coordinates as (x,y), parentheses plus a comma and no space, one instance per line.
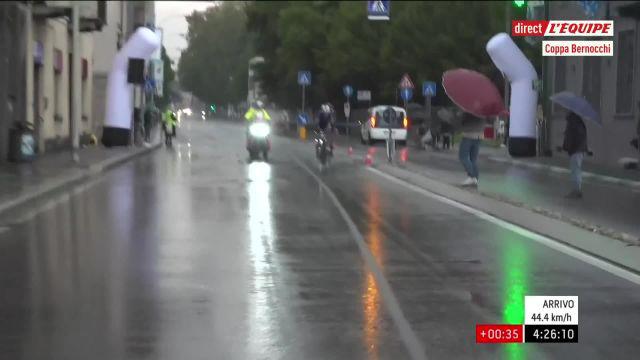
(549,242)
(414,346)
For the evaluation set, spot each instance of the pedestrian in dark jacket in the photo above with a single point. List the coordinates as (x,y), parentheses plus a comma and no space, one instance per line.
(575,144)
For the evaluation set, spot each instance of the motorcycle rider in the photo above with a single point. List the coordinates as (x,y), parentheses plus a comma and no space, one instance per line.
(170,121)
(253,112)
(326,123)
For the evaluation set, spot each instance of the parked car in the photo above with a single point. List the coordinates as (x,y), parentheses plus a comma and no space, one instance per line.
(377,128)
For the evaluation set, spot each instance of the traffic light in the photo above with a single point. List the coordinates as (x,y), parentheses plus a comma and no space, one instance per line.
(213,107)
(519,10)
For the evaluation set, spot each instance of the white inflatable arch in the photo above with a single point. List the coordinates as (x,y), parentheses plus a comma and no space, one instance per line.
(119,104)
(524,98)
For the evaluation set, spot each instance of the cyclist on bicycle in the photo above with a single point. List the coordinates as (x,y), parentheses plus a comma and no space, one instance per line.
(326,123)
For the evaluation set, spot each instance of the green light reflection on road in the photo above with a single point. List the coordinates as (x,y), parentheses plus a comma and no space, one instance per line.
(515,270)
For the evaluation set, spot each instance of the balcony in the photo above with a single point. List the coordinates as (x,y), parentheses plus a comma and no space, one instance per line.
(93,14)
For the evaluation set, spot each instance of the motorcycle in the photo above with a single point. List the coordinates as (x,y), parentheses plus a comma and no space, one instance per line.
(169,133)
(323,153)
(258,140)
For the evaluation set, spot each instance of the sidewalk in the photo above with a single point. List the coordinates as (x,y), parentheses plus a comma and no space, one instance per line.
(610,207)
(21,183)
(559,163)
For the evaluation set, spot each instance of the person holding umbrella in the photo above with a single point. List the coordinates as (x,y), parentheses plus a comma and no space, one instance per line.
(575,134)
(575,144)
(479,99)
(472,133)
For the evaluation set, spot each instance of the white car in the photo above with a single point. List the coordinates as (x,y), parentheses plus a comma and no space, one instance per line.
(376,128)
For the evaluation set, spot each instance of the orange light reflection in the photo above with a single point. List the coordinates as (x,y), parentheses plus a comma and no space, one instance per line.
(371,297)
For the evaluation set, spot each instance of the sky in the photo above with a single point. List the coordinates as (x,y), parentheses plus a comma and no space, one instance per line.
(170,17)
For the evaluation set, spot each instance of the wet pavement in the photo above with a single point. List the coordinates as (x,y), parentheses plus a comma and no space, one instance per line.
(195,253)
(606,205)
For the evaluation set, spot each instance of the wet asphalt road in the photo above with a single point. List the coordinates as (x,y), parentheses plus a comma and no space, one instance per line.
(194,253)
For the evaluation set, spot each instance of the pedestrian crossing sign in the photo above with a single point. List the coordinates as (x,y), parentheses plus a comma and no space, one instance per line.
(304,78)
(378,10)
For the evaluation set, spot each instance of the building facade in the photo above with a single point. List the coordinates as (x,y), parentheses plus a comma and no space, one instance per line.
(51,62)
(36,48)
(14,18)
(611,84)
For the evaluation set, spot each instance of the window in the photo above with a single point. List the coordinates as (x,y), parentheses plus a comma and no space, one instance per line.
(591,80)
(560,78)
(57,99)
(624,81)
(102,12)
(86,99)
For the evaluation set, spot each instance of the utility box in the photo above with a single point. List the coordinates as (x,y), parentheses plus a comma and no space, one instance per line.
(22,143)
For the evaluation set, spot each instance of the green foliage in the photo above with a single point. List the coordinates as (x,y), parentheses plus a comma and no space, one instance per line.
(214,65)
(337,42)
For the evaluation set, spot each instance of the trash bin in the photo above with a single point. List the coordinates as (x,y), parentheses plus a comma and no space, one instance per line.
(22,142)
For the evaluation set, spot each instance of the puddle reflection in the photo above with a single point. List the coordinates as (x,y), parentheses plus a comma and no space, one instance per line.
(515,271)
(371,296)
(263,321)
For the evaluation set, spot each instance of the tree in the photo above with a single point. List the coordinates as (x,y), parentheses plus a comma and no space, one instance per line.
(337,42)
(214,65)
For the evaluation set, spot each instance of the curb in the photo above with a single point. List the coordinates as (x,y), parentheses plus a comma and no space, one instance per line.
(80,176)
(618,251)
(595,228)
(561,170)
(628,239)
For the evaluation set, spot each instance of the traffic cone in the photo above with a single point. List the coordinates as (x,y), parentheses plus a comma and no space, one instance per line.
(350,150)
(368,159)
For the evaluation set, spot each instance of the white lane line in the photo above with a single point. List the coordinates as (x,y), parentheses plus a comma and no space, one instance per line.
(414,346)
(554,244)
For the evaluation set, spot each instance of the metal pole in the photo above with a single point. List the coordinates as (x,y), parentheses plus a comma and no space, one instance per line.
(546,103)
(303,87)
(76,100)
(508,31)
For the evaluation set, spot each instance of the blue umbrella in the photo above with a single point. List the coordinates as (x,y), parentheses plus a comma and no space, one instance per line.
(577,104)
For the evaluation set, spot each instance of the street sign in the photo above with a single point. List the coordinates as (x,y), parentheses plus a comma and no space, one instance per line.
(149,85)
(157,55)
(405,82)
(158,69)
(590,8)
(304,78)
(428,88)
(378,10)
(347,90)
(364,95)
(347,109)
(303,119)
(159,88)
(406,94)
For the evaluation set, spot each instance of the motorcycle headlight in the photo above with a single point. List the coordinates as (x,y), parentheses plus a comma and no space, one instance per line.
(259,130)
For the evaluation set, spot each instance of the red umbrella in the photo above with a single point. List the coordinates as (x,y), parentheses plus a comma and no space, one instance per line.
(473,92)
